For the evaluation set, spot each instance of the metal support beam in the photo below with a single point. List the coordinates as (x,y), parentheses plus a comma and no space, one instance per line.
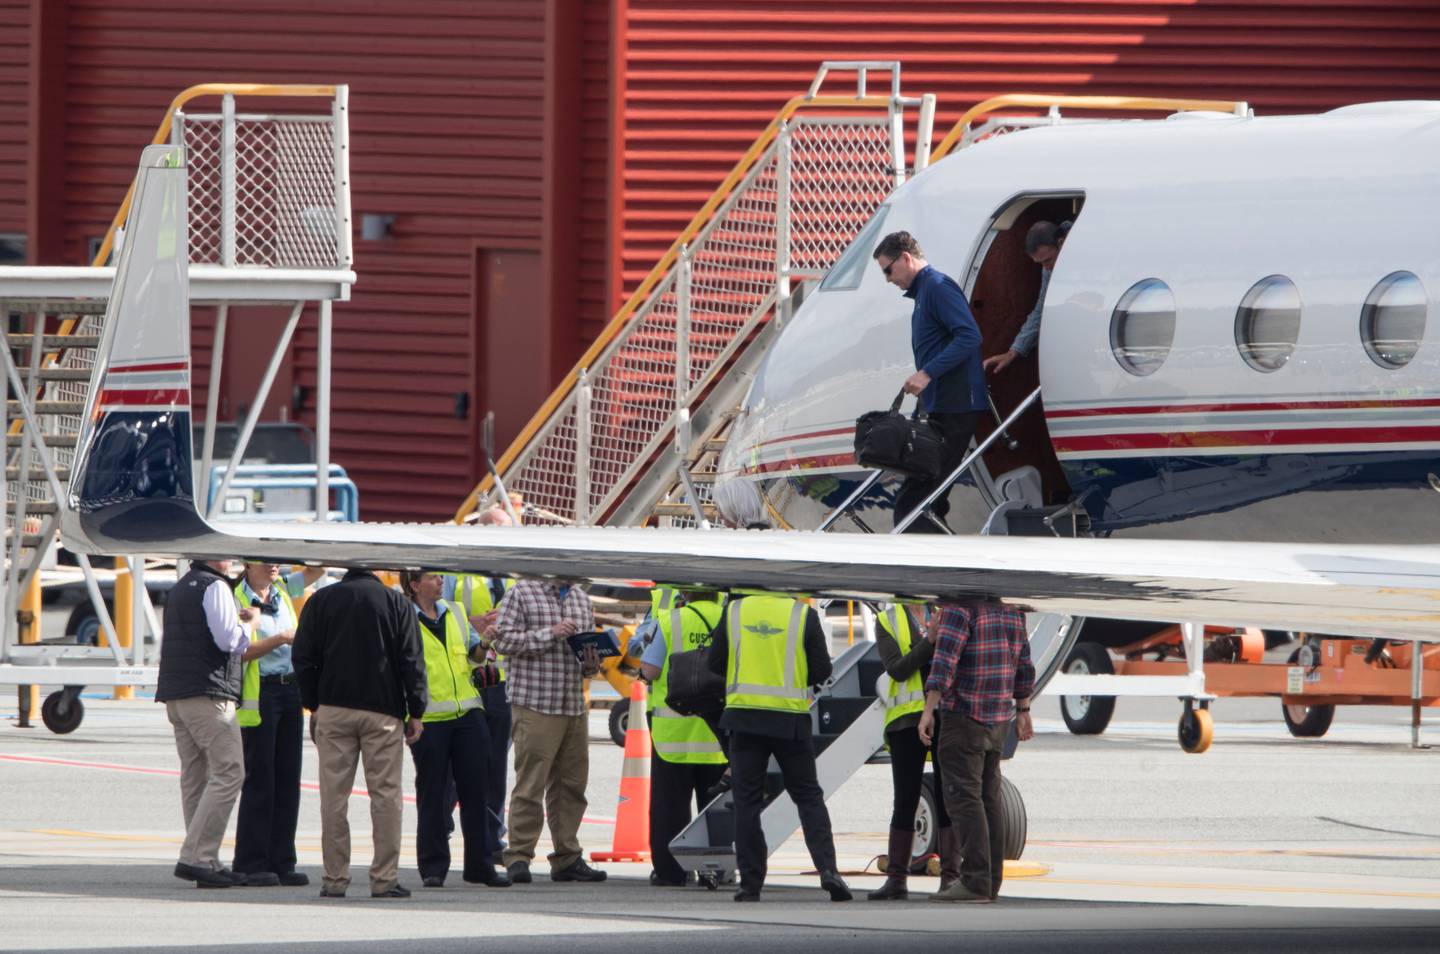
(582,448)
(251,419)
(782,223)
(322,415)
(227,180)
(212,396)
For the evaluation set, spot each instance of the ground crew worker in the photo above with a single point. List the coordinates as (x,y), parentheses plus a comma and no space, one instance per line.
(455,743)
(479,598)
(772,650)
(271,729)
(686,761)
(905,651)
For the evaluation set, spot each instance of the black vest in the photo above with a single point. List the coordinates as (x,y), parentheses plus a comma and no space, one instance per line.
(190,662)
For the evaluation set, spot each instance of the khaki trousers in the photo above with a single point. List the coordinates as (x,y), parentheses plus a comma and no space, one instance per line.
(212,770)
(344,737)
(552,766)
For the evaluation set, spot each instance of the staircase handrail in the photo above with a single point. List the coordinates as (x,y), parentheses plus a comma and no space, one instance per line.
(1056,102)
(652,281)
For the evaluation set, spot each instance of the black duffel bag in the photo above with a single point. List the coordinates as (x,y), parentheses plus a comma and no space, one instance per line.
(693,689)
(888,440)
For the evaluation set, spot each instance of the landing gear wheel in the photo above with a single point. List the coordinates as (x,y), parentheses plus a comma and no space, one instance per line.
(1197,729)
(619,722)
(62,711)
(84,625)
(1017,823)
(927,837)
(1088,715)
(1306,722)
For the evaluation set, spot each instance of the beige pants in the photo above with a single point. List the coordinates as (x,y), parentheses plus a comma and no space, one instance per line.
(552,765)
(212,771)
(344,737)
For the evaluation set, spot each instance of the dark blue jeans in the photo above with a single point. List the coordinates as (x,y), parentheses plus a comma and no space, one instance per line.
(270,799)
(458,749)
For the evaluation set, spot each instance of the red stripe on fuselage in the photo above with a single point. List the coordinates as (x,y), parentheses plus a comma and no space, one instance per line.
(145,397)
(141,368)
(1227,408)
(1338,436)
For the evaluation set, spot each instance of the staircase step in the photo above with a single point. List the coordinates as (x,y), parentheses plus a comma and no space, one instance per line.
(38,473)
(61,374)
(684,510)
(29,541)
(35,508)
(53,341)
(47,407)
(51,440)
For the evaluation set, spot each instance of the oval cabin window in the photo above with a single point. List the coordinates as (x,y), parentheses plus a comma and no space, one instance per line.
(1142,327)
(1392,323)
(1268,323)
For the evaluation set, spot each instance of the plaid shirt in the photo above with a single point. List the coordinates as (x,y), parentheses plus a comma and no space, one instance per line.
(982,662)
(541,671)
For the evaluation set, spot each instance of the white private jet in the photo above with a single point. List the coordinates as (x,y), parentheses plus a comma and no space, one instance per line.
(1300,226)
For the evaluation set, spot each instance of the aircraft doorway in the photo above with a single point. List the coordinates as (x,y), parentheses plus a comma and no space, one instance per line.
(1003,284)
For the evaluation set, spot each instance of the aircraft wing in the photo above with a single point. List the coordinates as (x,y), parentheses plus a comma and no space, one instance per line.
(132,492)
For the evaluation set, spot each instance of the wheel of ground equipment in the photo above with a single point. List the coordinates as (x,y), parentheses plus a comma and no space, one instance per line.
(1017,823)
(62,711)
(1197,730)
(84,625)
(1306,722)
(1088,715)
(619,722)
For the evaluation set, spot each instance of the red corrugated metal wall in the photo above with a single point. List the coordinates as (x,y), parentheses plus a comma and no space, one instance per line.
(702,77)
(445,124)
(14,107)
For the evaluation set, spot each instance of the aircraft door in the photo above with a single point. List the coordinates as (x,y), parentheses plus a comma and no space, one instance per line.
(1003,284)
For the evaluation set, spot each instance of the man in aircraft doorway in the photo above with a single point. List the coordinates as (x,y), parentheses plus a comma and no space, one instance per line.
(1042,244)
(948,379)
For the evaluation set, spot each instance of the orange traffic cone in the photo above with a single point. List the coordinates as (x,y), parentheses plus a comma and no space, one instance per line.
(632,820)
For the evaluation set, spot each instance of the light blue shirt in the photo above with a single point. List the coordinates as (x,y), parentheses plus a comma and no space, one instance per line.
(1029,333)
(277,661)
(472,638)
(655,649)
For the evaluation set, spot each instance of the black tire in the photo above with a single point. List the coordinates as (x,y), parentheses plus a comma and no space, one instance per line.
(62,711)
(1088,715)
(1017,825)
(619,722)
(1306,722)
(83,624)
(927,835)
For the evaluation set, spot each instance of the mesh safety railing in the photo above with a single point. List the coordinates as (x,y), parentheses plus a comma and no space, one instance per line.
(834,172)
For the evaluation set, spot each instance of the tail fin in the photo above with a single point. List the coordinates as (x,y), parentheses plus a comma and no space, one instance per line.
(133,479)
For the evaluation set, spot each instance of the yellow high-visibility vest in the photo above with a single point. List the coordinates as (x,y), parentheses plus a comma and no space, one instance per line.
(472,592)
(677,738)
(447,670)
(248,714)
(766,668)
(900,698)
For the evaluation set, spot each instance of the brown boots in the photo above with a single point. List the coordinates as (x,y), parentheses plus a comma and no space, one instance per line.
(948,841)
(897,868)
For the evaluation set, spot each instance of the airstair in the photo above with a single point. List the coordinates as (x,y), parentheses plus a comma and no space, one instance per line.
(269,199)
(674,363)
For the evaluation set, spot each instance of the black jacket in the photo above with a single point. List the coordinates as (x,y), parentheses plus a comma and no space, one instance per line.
(358,646)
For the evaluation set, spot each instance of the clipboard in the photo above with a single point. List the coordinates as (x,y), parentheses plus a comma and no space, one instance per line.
(604,641)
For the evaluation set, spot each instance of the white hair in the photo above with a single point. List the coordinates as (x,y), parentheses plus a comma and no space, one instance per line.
(739,503)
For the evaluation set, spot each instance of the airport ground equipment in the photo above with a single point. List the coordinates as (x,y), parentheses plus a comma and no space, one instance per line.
(269,198)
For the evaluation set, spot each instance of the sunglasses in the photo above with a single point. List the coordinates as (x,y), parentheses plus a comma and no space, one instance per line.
(886,268)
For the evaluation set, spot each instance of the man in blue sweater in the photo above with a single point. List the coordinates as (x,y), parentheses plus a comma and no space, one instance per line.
(948,379)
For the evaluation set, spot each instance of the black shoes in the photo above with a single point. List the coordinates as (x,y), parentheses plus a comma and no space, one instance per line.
(434,881)
(395,891)
(207,877)
(491,878)
(258,879)
(293,879)
(578,871)
(719,788)
(747,894)
(833,883)
(331,894)
(658,880)
(519,872)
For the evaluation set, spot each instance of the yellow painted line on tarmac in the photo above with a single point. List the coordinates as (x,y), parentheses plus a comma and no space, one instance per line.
(112,836)
(1309,890)
(1026,869)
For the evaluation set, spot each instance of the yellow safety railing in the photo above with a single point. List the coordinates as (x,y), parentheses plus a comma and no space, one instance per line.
(1108,103)
(161,135)
(638,297)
